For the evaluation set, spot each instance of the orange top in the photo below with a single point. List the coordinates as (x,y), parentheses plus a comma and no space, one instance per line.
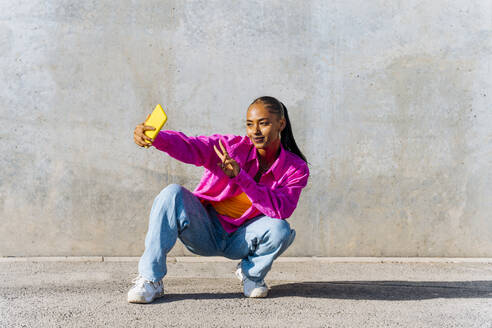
(233,207)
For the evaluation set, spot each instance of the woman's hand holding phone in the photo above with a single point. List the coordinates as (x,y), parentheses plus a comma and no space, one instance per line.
(146,132)
(139,135)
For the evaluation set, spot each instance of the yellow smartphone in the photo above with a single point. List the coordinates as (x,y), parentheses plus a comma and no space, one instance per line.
(157,119)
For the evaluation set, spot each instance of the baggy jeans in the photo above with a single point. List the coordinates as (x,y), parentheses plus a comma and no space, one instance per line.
(177,213)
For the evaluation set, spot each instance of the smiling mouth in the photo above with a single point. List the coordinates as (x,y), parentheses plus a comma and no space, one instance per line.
(258,139)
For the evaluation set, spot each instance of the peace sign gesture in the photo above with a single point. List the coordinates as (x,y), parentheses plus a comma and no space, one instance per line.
(229,166)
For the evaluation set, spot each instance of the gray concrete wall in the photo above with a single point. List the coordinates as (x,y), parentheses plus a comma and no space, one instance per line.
(390,101)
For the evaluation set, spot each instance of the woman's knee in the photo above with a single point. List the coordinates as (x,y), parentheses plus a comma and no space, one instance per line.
(172,189)
(167,201)
(170,193)
(279,232)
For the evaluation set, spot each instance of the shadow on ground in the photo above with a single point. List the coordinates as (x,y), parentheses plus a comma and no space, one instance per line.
(385,290)
(361,290)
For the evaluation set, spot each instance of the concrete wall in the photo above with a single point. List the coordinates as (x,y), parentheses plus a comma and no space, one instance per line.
(390,101)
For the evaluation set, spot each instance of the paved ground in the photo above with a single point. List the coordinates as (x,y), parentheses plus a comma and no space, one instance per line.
(310,293)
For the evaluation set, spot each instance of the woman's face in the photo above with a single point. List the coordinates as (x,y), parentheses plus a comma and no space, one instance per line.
(263,127)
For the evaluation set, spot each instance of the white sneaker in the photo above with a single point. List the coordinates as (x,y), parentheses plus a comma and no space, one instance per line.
(251,288)
(145,291)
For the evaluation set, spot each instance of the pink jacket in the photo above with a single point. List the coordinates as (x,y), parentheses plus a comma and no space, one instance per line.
(275,195)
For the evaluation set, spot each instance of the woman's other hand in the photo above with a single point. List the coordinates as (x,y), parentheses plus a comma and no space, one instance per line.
(139,135)
(229,166)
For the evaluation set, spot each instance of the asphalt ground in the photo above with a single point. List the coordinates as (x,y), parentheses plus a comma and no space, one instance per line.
(203,292)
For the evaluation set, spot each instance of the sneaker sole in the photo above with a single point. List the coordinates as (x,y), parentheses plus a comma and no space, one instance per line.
(143,300)
(259,293)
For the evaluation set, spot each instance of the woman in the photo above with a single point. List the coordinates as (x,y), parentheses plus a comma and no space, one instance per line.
(250,185)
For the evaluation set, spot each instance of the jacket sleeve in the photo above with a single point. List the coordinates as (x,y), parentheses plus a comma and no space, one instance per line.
(198,151)
(279,202)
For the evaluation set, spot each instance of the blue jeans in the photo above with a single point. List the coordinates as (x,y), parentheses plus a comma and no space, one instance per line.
(177,213)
